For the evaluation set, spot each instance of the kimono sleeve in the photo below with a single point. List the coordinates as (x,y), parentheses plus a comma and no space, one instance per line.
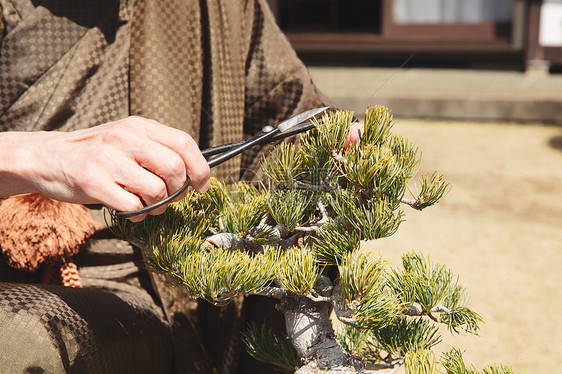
(278,84)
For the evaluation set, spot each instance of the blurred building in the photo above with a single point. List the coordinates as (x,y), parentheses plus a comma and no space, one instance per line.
(466,33)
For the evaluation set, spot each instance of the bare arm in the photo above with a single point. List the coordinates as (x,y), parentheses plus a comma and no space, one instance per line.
(121,164)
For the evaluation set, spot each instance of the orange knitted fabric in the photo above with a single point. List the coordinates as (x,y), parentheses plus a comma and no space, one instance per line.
(35,229)
(63,272)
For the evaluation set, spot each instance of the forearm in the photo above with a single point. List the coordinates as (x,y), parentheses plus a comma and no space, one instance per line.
(17,162)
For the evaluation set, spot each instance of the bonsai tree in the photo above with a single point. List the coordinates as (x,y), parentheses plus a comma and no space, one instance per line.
(296,238)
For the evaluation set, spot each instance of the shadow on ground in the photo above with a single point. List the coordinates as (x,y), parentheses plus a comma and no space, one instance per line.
(556,142)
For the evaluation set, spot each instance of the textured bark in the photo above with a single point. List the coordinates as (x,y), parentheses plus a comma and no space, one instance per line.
(231,241)
(312,368)
(310,330)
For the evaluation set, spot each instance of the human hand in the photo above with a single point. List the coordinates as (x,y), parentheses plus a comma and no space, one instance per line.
(121,164)
(353,137)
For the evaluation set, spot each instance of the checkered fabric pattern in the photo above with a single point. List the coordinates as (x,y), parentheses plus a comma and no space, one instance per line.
(57,329)
(226,67)
(63,64)
(278,85)
(166,66)
(113,324)
(1,25)
(218,69)
(187,66)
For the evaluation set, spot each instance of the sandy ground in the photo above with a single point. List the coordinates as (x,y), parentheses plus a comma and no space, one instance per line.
(499,230)
(500,227)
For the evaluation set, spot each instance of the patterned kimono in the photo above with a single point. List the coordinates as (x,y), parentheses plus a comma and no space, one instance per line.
(219,70)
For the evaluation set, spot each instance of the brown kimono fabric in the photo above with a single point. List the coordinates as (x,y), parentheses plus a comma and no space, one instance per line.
(63,66)
(220,70)
(224,76)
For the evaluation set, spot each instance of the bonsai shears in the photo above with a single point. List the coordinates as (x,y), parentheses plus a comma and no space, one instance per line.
(225,152)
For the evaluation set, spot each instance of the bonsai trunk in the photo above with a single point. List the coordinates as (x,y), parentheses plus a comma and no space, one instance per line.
(310,330)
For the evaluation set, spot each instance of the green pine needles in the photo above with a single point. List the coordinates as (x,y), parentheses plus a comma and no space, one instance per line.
(265,346)
(287,237)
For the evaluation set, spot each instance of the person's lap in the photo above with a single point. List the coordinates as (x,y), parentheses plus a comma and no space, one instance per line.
(111,325)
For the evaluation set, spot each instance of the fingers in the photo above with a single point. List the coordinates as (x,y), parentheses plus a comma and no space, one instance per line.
(119,199)
(150,188)
(183,145)
(161,158)
(164,163)
(354,134)
(125,188)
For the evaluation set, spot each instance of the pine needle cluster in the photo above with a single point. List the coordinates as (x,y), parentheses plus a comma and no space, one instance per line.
(397,311)
(265,346)
(452,362)
(320,201)
(433,289)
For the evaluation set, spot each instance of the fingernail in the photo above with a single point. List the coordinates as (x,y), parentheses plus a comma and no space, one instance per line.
(205,187)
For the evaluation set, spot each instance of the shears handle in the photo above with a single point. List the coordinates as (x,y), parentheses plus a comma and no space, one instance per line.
(233,151)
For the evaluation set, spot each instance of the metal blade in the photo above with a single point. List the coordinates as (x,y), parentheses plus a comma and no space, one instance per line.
(295,120)
(301,127)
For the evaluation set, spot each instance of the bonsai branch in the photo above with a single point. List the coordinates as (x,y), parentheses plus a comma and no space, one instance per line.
(316,226)
(416,310)
(314,187)
(273,292)
(231,241)
(416,204)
